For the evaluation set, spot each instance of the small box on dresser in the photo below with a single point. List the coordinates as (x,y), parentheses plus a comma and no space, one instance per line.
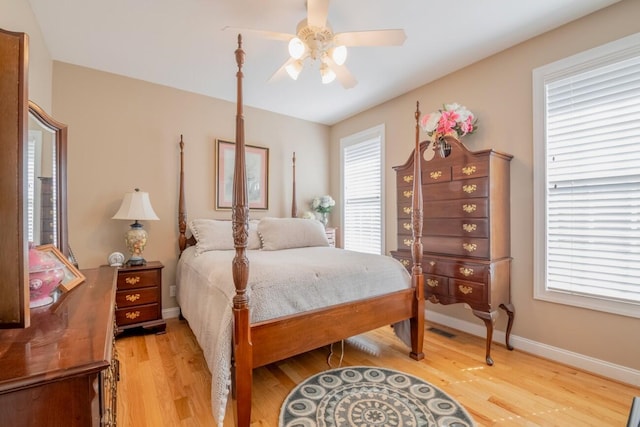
(139,297)
(466,230)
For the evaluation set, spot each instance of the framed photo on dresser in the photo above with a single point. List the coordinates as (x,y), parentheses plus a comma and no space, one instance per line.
(72,276)
(257,161)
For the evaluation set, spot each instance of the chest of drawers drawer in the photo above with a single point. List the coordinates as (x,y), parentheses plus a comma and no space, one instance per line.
(460,227)
(139,296)
(138,279)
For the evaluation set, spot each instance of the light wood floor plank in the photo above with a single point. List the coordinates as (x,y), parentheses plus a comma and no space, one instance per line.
(165,381)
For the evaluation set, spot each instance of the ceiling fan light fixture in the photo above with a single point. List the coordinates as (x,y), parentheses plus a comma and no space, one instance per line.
(327,74)
(296,48)
(294,69)
(339,54)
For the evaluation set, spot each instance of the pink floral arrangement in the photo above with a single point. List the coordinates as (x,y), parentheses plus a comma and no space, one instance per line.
(453,119)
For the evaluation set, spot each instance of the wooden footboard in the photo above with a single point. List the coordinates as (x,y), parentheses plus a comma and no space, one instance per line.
(266,342)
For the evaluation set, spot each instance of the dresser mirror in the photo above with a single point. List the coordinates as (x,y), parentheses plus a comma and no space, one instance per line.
(46,182)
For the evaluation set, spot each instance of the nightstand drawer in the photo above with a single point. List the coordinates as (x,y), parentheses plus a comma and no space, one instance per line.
(138,314)
(138,279)
(136,297)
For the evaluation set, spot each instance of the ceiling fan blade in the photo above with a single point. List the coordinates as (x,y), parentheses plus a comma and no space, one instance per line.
(317,11)
(371,38)
(343,74)
(273,35)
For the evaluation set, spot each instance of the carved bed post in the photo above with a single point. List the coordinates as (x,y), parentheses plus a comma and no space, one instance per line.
(417,279)
(294,207)
(182,210)
(242,345)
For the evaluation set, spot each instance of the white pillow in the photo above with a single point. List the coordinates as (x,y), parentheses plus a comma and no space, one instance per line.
(287,233)
(213,234)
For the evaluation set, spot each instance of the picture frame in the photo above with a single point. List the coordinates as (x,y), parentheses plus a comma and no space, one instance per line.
(257,161)
(72,276)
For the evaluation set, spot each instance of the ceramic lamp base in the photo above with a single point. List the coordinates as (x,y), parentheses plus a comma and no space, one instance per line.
(136,240)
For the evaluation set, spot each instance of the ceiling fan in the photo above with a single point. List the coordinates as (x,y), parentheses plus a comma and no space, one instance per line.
(315,42)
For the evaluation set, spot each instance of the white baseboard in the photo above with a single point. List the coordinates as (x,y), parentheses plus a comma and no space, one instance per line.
(168,313)
(580,361)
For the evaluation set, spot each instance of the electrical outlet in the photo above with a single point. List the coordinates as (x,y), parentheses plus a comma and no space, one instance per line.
(172,291)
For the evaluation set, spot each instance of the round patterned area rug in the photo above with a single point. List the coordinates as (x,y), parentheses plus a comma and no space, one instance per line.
(364,396)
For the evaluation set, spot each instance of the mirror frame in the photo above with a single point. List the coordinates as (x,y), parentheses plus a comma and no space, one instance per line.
(60,130)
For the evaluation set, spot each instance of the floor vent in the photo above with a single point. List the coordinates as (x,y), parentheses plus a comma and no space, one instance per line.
(441,332)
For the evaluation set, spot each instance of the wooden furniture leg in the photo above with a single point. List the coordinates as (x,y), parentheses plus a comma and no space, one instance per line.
(511,312)
(489,318)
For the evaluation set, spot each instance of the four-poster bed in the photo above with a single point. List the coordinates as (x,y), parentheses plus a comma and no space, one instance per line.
(258,342)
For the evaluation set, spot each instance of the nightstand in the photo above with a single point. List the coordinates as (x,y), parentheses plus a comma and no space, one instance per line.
(331,236)
(139,297)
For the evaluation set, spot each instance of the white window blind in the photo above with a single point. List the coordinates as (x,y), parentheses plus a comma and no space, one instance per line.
(362,180)
(31,186)
(592,188)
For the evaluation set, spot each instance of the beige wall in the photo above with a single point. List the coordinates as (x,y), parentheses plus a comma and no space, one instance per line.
(498,90)
(124,133)
(16,15)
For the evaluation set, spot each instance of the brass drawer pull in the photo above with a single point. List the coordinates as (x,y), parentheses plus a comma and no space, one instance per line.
(432,263)
(470,188)
(406,226)
(132,297)
(132,280)
(469,208)
(469,247)
(466,271)
(436,175)
(132,315)
(465,289)
(432,283)
(469,170)
(407,178)
(407,242)
(407,210)
(405,262)
(408,193)
(469,227)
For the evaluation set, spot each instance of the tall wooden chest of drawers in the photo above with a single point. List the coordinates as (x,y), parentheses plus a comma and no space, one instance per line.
(466,229)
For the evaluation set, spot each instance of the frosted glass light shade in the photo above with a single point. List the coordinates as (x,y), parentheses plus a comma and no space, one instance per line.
(327,74)
(296,48)
(339,54)
(294,69)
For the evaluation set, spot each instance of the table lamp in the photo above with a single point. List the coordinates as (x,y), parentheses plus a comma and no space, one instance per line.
(136,206)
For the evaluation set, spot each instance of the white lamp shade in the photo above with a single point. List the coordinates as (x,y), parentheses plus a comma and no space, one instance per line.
(136,206)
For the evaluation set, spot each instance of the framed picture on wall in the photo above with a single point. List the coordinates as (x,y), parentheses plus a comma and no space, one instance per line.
(257,160)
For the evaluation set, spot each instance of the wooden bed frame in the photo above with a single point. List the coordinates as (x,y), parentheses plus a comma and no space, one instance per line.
(266,342)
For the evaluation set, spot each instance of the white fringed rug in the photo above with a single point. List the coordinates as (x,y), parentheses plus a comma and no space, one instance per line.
(365,396)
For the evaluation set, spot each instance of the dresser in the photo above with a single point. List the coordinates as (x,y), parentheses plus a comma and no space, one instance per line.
(62,371)
(139,297)
(466,230)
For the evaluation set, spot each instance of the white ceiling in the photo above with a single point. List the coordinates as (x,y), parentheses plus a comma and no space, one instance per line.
(181,44)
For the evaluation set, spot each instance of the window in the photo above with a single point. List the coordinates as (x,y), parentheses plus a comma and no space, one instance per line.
(361,169)
(587,179)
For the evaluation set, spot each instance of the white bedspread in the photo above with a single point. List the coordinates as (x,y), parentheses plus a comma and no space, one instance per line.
(280,283)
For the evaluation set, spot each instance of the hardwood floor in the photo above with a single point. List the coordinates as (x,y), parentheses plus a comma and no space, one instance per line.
(164,381)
